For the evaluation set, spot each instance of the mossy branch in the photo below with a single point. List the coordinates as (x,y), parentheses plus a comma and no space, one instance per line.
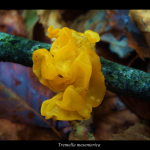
(119,79)
(126,81)
(19,50)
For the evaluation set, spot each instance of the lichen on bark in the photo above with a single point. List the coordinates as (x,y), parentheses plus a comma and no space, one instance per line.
(18,50)
(119,79)
(126,81)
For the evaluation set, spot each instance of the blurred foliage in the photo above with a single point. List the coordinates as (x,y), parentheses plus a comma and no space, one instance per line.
(124,34)
(11,22)
(137,132)
(17,131)
(50,17)
(29,19)
(142,20)
(112,117)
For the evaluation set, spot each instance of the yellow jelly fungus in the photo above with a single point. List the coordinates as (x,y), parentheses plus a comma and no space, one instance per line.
(73,69)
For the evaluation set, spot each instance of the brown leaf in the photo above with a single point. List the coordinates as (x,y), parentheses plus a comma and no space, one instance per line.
(13,22)
(51,18)
(143,52)
(109,94)
(15,109)
(112,117)
(17,131)
(117,33)
(93,20)
(142,20)
(139,107)
(109,16)
(136,132)
(17,82)
(43,90)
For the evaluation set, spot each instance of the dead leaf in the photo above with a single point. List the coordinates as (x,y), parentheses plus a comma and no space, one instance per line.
(109,94)
(136,132)
(29,19)
(119,19)
(15,109)
(109,16)
(93,20)
(29,89)
(17,82)
(13,22)
(50,18)
(102,49)
(11,105)
(112,117)
(17,131)
(141,50)
(117,32)
(120,47)
(142,20)
(139,107)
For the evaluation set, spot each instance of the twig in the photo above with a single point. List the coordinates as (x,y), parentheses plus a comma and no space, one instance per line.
(133,60)
(119,79)
(126,81)
(19,50)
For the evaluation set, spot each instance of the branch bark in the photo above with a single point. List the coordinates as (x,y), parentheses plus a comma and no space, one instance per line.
(119,79)
(19,50)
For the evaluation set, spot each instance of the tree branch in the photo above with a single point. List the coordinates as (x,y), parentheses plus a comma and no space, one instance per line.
(119,79)
(19,50)
(126,81)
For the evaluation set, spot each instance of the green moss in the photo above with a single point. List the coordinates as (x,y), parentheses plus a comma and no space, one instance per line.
(12,46)
(127,81)
(119,79)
